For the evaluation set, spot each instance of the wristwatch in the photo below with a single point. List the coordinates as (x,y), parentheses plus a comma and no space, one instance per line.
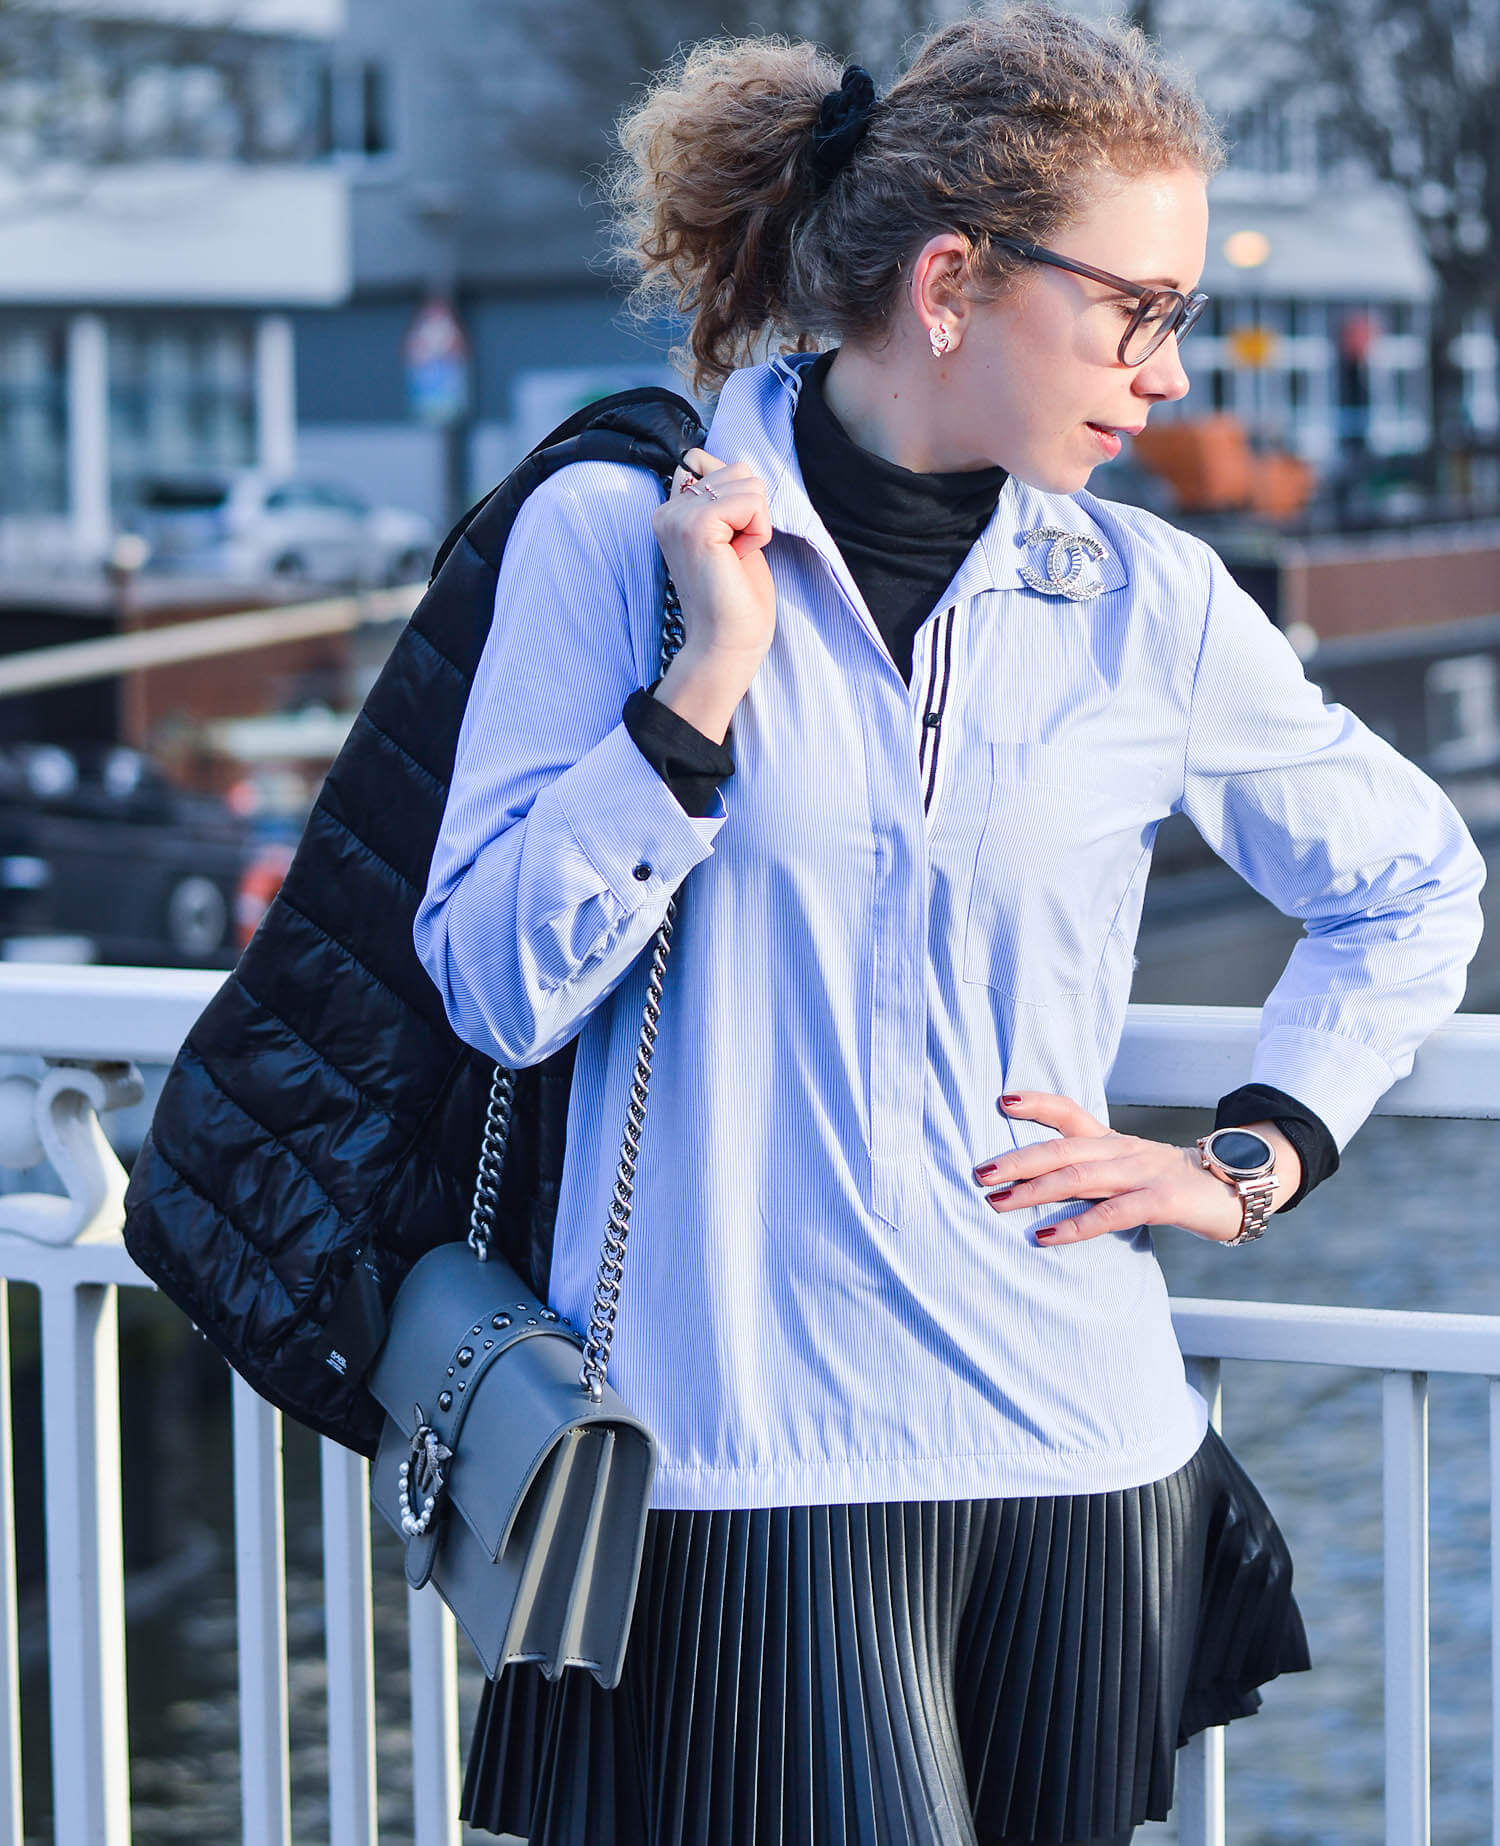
(1246,1161)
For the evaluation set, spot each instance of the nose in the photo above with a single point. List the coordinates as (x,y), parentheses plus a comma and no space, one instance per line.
(1161,376)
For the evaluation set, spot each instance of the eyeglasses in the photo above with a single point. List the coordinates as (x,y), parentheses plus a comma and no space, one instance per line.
(1158,311)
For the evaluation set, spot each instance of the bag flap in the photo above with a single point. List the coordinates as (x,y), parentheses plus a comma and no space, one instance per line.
(528,1418)
(502,1421)
(450,1305)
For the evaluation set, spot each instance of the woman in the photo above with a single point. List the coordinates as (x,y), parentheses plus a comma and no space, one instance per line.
(941,1547)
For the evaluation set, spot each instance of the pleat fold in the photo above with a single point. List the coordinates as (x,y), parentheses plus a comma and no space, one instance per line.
(944,1673)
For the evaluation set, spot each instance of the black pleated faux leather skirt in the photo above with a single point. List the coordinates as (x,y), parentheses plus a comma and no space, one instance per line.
(933,1673)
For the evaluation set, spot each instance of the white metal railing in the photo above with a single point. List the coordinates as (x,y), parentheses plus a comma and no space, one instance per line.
(92,1024)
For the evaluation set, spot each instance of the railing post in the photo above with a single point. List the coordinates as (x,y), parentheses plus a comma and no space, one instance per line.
(11,1833)
(433,1644)
(1495,1610)
(351,1652)
(85,1567)
(1408,1776)
(1200,1773)
(260,1595)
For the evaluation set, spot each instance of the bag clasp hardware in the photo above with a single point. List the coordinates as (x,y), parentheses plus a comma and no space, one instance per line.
(421,1476)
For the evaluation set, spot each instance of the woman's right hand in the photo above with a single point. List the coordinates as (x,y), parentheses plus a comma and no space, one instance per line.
(713,546)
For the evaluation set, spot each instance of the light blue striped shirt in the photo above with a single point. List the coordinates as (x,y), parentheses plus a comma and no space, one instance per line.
(892,921)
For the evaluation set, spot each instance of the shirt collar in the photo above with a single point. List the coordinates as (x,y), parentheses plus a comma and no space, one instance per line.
(753,423)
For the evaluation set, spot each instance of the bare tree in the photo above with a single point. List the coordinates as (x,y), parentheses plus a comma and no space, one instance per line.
(1414,91)
(577,62)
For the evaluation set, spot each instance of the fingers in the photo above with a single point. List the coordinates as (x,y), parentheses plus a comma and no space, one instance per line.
(712,503)
(692,462)
(1136,1182)
(1060,1112)
(755,533)
(699,471)
(692,465)
(1076,1179)
(1071,1152)
(1122,1213)
(1215,1218)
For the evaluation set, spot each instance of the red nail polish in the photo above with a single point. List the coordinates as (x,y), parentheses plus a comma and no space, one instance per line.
(1047,1231)
(1008,1100)
(984,1174)
(991,1198)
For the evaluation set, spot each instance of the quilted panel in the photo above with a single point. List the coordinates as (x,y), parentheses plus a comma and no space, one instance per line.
(323,1104)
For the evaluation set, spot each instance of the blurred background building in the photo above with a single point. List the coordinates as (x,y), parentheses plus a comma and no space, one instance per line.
(361,239)
(285,284)
(170,192)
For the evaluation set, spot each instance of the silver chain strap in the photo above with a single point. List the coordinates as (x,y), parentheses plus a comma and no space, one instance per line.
(491,1161)
(601,1333)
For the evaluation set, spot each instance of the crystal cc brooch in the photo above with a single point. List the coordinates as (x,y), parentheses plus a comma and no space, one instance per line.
(1068,554)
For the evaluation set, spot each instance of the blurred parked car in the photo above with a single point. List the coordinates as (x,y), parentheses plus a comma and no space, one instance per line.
(102,859)
(252,527)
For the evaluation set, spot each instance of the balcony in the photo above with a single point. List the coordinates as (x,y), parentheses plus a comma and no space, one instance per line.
(92,1025)
(242,237)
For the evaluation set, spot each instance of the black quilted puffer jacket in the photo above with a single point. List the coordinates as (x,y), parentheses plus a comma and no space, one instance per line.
(320,1127)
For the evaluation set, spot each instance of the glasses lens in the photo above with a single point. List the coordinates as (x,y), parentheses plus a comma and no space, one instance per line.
(1152,321)
(1196,305)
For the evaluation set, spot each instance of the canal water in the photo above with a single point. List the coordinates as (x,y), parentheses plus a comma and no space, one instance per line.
(1408,1223)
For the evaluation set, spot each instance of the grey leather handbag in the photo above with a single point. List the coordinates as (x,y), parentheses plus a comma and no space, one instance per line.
(518,1478)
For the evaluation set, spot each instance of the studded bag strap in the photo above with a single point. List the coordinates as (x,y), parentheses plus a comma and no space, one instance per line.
(600,1336)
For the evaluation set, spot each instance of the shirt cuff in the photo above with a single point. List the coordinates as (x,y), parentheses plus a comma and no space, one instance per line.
(1337,1076)
(690,764)
(636,837)
(1308,1133)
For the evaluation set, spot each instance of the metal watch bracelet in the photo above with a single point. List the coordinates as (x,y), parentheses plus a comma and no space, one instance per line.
(1255,1202)
(1255,1194)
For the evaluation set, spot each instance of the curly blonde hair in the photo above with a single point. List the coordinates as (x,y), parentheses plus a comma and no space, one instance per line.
(997,129)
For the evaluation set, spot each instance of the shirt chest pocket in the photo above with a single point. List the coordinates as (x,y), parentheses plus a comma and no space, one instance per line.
(1063,838)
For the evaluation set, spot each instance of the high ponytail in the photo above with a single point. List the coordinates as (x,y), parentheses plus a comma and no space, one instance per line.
(997,130)
(717,170)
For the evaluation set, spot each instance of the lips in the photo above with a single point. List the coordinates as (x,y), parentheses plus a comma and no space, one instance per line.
(1118,429)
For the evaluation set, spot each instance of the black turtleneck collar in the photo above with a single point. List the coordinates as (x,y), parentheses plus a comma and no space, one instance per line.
(903,535)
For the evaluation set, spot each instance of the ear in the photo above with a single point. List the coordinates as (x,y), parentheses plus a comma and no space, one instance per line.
(936,296)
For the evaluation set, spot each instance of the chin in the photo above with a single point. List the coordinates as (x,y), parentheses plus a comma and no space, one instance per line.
(1057,477)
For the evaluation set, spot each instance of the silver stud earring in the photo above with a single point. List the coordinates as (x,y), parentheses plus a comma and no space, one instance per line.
(942,340)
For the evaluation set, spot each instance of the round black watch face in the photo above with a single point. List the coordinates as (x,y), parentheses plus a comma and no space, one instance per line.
(1237,1148)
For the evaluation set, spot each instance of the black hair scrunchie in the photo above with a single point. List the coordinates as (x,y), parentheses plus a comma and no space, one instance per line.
(843,119)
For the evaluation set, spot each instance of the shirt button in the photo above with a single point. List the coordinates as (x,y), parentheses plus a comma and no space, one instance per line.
(641,872)
(931,719)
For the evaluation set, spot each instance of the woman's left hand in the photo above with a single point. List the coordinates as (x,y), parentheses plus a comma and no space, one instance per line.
(1136,1181)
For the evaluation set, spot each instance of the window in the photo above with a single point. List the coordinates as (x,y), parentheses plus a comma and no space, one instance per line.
(1276,137)
(375,111)
(340,499)
(33,421)
(181,401)
(125,89)
(294,497)
(1463,725)
(354,110)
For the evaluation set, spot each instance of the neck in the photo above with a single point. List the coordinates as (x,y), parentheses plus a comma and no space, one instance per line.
(891,406)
